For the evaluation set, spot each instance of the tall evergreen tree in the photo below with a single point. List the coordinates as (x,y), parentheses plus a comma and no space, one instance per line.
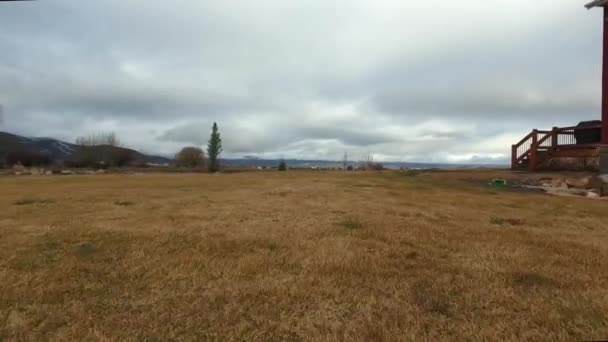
(214,148)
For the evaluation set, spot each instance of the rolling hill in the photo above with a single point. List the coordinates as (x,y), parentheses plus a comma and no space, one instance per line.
(61,151)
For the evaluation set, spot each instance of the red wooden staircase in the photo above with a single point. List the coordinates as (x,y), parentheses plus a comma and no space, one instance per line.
(542,150)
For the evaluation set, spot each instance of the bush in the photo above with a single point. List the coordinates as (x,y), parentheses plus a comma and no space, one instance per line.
(375,166)
(371,166)
(282,165)
(190,157)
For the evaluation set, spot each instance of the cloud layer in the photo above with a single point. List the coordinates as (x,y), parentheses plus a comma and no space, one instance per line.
(425,81)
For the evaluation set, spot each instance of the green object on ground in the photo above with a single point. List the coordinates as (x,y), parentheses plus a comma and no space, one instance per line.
(499,183)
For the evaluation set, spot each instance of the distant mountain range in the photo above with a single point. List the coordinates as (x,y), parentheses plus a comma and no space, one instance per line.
(297,163)
(59,150)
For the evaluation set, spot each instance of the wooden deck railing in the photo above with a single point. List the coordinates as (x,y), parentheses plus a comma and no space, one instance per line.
(532,146)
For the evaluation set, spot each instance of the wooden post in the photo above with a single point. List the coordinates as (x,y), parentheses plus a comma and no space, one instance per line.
(554,135)
(533,150)
(513,157)
(605,81)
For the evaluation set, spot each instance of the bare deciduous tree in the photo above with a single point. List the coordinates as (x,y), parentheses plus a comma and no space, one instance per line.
(97,139)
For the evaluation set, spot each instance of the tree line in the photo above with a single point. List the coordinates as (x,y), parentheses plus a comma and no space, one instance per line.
(101,150)
(194,157)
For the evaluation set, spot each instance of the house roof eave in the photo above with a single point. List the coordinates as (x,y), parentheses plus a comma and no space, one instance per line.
(597,3)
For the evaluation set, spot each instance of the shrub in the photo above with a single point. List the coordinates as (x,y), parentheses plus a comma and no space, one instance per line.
(190,157)
(375,166)
(497,220)
(123,203)
(510,221)
(350,224)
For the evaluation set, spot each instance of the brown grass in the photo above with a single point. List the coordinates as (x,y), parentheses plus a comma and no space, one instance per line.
(297,256)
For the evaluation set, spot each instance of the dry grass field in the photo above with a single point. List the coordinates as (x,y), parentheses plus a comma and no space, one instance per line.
(300,256)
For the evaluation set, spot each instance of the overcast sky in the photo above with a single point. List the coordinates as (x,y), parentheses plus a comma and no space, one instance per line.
(434,81)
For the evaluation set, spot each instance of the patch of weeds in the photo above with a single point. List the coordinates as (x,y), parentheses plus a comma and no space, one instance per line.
(265,244)
(41,254)
(363,185)
(430,299)
(530,279)
(497,220)
(273,246)
(86,249)
(350,224)
(28,201)
(123,203)
(584,310)
(506,221)
(51,246)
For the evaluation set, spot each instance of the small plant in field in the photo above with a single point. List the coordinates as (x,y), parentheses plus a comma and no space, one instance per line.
(273,246)
(86,249)
(497,220)
(350,224)
(502,221)
(123,203)
(28,201)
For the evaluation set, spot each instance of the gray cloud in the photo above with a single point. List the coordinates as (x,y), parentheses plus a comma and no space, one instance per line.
(301,79)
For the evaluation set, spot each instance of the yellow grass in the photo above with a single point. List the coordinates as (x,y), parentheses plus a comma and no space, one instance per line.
(298,256)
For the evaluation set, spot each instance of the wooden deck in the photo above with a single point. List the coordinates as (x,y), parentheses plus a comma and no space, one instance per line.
(556,150)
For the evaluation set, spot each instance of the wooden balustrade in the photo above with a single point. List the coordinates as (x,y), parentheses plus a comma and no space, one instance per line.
(527,152)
